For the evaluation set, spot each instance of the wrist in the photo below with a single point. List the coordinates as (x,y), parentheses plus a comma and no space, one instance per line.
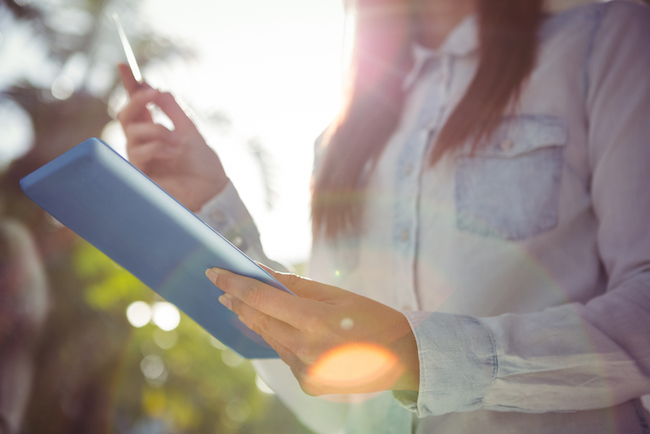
(204,192)
(406,350)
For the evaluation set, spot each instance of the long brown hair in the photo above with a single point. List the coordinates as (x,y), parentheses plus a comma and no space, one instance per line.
(381,58)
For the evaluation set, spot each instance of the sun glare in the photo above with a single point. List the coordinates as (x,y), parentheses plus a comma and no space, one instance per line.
(275,68)
(353,365)
(349,28)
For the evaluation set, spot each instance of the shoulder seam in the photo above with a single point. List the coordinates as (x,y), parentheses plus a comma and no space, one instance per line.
(599,14)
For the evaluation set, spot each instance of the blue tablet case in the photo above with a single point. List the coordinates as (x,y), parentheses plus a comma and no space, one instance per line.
(106,200)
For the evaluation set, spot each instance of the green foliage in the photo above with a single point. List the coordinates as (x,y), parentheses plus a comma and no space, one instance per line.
(90,363)
(109,285)
(202,386)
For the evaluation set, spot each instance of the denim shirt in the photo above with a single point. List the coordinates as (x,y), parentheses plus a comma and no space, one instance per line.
(523,268)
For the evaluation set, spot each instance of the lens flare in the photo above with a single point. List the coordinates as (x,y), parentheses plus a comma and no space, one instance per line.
(354,365)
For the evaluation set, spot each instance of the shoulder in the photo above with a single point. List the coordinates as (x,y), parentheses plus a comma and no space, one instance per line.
(623,12)
(617,8)
(603,37)
(621,42)
(588,21)
(625,22)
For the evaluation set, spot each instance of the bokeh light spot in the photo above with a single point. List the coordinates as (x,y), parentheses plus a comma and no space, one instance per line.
(138,313)
(217,343)
(238,410)
(17,131)
(62,87)
(165,340)
(152,367)
(353,365)
(347,323)
(166,315)
(262,386)
(231,359)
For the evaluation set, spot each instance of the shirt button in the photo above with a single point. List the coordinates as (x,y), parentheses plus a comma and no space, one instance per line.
(424,135)
(217,216)
(507,145)
(406,307)
(408,169)
(237,241)
(405,235)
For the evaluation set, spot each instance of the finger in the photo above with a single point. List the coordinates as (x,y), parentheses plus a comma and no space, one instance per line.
(291,339)
(271,301)
(286,355)
(144,132)
(128,80)
(173,110)
(283,351)
(141,155)
(136,110)
(254,319)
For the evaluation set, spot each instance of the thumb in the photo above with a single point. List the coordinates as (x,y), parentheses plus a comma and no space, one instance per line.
(301,286)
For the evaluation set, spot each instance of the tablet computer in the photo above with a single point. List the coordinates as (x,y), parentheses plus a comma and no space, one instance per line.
(106,200)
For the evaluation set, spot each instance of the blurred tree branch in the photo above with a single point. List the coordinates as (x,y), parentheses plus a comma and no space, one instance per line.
(87,375)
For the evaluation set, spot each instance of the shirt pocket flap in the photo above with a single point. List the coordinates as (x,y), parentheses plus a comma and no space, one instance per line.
(522,134)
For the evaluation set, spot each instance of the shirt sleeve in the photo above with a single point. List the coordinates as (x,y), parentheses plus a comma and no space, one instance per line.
(576,356)
(227,214)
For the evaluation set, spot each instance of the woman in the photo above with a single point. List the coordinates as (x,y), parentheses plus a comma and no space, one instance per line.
(485,188)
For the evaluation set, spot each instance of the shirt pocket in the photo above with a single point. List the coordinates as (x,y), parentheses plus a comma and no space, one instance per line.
(509,187)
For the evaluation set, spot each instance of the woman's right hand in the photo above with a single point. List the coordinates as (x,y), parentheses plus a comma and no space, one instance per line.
(178,160)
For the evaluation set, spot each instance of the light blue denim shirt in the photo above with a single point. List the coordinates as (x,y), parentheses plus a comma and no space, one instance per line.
(524,268)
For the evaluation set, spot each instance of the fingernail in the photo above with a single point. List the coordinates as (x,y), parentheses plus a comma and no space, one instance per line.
(226,301)
(211,274)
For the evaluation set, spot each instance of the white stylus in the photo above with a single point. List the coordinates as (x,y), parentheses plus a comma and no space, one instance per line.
(130,57)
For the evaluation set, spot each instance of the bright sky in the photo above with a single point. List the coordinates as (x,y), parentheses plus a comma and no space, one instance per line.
(274,67)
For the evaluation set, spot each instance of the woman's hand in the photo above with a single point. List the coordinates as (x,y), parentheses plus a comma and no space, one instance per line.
(178,160)
(335,341)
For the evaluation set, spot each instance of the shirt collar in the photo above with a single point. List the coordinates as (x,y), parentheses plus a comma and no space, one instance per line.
(462,40)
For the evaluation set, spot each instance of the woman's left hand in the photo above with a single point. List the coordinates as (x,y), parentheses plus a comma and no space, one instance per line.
(335,341)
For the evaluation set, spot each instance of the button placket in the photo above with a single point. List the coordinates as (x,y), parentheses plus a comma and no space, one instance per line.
(410,163)
(217,216)
(507,145)
(444,77)
(237,241)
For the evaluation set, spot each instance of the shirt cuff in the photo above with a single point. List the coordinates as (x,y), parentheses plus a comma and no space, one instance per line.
(227,214)
(458,364)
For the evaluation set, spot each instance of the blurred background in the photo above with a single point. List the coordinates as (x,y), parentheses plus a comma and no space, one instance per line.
(84,346)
